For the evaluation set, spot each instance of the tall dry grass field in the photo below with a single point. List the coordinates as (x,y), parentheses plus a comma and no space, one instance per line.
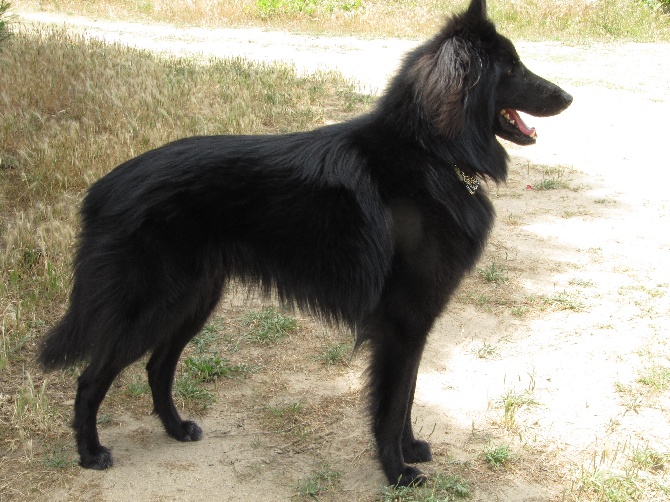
(574,21)
(71,110)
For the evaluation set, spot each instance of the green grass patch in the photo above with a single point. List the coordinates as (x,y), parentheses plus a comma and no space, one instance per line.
(60,457)
(323,481)
(493,273)
(486,351)
(311,8)
(624,474)
(335,354)
(647,459)
(564,301)
(656,377)
(497,456)
(438,488)
(208,368)
(553,178)
(200,369)
(550,184)
(5,24)
(512,401)
(192,393)
(137,387)
(609,486)
(268,325)
(204,341)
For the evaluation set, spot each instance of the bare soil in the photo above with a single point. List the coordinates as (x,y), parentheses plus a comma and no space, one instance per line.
(585,309)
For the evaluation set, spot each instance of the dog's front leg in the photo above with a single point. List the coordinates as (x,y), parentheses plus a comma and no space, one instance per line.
(413,450)
(393,368)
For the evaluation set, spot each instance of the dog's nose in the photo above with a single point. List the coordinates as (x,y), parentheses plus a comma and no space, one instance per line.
(567,98)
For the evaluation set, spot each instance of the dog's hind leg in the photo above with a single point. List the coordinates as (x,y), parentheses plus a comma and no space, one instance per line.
(161,369)
(94,383)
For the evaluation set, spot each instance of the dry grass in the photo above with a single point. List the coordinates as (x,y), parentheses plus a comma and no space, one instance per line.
(575,21)
(71,110)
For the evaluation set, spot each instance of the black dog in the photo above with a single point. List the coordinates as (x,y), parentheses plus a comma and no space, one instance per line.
(371,223)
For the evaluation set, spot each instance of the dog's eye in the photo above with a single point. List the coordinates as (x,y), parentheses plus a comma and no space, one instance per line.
(510,69)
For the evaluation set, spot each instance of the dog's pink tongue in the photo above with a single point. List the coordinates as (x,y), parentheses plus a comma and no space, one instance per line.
(528,131)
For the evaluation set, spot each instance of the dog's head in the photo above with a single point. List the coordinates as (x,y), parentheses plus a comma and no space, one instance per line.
(469,79)
(519,89)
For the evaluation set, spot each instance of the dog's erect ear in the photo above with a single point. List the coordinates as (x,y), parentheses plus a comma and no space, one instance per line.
(476,11)
(440,78)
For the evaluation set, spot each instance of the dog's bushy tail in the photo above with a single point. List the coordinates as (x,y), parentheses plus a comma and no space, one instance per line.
(63,346)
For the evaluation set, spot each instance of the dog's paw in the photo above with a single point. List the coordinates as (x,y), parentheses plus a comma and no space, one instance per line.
(417,451)
(100,460)
(411,476)
(190,431)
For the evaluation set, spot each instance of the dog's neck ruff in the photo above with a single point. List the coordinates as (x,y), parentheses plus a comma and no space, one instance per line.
(471,182)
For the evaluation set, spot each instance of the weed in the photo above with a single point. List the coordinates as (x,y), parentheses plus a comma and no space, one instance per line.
(612,425)
(581,282)
(657,377)
(493,273)
(105,419)
(5,31)
(137,387)
(497,456)
(268,325)
(323,480)
(192,393)
(487,351)
(519,310)
(208,368)
(204,340)
(514,219)
(512,402)
(271,8)
(649,460)
(546,184)
(31,406)
(338,353)
(10,345)
(289,418)
(287,410)
(615,477)
(440,488)
(564,301)
(575,213)
(630,399)
(610,486)
(60,457)
(453,484)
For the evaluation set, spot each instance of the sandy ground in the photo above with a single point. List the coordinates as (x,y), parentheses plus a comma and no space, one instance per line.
(602,239)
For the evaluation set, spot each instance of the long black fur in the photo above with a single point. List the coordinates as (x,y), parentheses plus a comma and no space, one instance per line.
(366,223)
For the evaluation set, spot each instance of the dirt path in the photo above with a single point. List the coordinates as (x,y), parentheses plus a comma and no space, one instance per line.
(584,310)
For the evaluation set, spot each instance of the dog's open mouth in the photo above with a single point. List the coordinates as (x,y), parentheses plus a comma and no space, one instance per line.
(511,127)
